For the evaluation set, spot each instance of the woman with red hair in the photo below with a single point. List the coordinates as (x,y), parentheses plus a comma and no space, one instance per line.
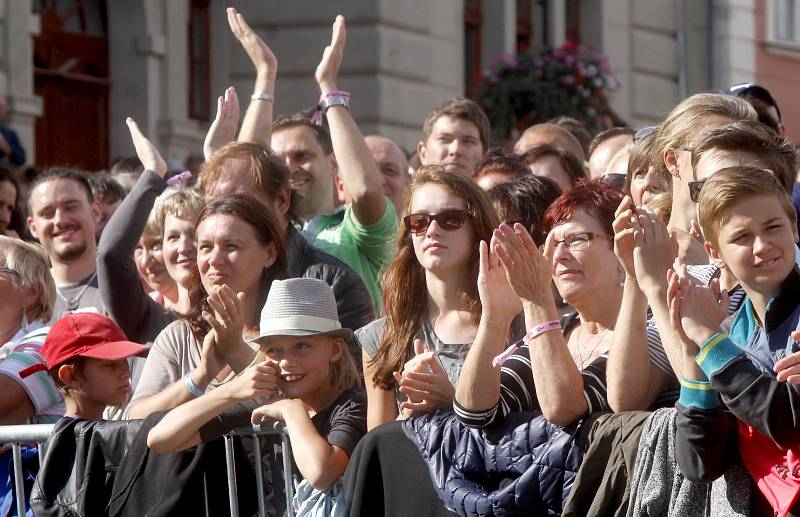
(568,365)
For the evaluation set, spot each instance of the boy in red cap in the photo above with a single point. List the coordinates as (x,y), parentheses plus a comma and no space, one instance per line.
(86,354)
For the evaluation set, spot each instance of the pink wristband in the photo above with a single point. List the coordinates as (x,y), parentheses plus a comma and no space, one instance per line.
(178,178)
(532,334)
(328,99)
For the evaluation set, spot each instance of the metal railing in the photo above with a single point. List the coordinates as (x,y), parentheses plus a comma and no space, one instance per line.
(18,435)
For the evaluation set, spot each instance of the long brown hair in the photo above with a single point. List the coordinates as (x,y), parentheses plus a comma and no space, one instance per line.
(403,282)
(263,221)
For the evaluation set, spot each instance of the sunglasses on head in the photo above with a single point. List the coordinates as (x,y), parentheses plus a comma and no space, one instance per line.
(643,133)
(616,180)
(447,220)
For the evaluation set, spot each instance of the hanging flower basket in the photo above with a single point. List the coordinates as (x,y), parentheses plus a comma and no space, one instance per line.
(520,90)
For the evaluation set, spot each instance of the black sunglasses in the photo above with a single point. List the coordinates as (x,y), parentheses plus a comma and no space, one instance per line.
(694,189)
(614,179)
(447,220)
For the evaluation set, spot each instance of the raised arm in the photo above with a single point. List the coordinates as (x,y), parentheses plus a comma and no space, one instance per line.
(558,383)
(120,286)
(478,387)
(257,123)
(357,167)
(633,381)
(653,256)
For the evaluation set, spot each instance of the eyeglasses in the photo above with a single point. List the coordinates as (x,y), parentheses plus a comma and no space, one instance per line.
(614,179)
(694,189)
(8,270)
(448,220)
(579,241)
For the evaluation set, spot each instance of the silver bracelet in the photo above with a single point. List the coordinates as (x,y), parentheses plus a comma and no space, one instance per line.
(262,97)
(191,386)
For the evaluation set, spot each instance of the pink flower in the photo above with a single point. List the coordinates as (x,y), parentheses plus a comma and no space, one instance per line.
(568,80)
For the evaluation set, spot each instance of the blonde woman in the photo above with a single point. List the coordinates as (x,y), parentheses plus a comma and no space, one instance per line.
(28,293)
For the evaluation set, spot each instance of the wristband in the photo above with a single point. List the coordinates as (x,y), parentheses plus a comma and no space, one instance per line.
(179,178)
(328,99)
(535,332)
(266,97)
(191,386)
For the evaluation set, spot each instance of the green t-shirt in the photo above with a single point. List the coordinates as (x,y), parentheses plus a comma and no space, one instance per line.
(366,249)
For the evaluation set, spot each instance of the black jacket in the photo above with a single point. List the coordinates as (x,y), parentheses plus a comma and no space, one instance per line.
(105,468)
(352,297)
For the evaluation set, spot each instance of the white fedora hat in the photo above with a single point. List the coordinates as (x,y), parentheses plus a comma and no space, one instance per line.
(300,307)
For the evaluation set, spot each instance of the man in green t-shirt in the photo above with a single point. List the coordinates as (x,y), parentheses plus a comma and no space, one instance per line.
(361,233)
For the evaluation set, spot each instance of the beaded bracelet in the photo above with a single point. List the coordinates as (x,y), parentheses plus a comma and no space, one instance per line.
(535,332)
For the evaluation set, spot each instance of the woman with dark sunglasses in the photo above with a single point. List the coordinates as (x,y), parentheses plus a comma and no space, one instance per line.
(414,355)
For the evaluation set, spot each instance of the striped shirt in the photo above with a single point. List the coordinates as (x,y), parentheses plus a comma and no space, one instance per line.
(518,391)
(21,352)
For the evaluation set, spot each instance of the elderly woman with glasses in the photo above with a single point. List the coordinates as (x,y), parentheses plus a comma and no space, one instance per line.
(28,294)
(559,368)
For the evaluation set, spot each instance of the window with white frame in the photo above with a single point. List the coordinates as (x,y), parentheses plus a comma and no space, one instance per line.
(785,21)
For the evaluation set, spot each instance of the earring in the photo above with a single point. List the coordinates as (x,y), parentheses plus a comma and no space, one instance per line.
(24,323)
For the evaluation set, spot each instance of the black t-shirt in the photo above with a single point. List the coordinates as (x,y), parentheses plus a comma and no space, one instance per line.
(342,424)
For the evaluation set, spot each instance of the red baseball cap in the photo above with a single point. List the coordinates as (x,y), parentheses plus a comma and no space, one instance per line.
(83,334)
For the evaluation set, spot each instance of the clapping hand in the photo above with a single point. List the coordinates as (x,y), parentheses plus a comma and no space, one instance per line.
(498,299)
(527,270)
(228,319)
(259,52)
(226,123)
(696,311)
(145,150)
(425,382)
(328,68)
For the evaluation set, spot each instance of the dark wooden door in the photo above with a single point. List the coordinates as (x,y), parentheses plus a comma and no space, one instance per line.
(71,74)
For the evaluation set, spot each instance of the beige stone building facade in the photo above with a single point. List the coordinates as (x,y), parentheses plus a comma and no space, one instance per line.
(167,60)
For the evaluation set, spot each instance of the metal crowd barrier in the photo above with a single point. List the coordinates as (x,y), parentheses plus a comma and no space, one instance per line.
(17,435)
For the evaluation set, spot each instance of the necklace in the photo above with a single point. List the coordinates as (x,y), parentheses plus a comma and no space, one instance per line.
(593,350)
(72,304)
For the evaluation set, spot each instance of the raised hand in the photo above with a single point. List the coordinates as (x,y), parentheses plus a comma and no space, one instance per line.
(226,122)
(211,361)
(696,311)
(655,249)
(328,68)
(626,229)
(145,150)
(529,273)
(258,51)
(227,320)
(498,299)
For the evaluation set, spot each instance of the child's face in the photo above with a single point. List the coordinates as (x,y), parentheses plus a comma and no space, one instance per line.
(103,381)
(757,242)
(305,364)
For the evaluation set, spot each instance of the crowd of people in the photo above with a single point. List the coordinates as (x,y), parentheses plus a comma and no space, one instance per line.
(569,324)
